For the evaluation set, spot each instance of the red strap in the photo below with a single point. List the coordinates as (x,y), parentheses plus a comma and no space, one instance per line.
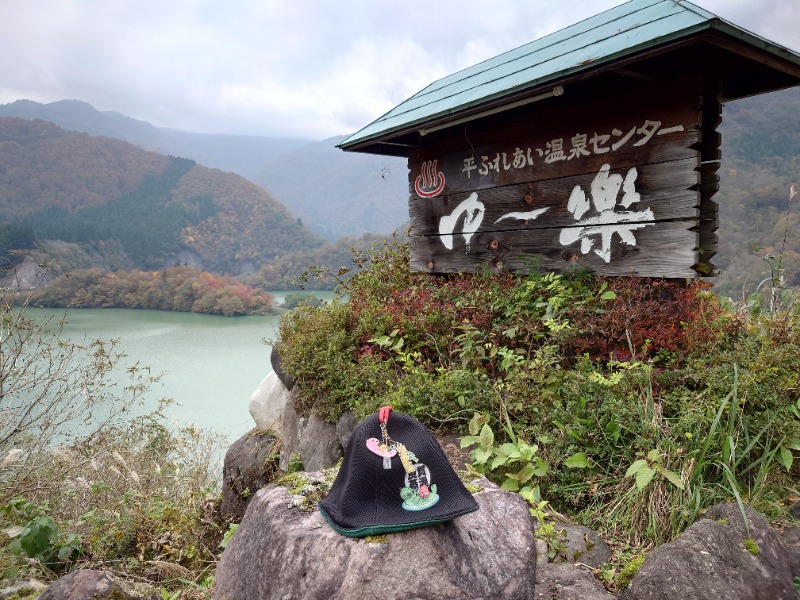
(383,413)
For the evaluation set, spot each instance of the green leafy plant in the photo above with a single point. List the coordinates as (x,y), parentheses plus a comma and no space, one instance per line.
(578,381)
(39,539)
(644,469)
(513,464)
(554,537)
(228,535)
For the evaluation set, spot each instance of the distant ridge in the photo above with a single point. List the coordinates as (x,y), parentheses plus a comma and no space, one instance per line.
(336,193)
(245,155)
(136,208)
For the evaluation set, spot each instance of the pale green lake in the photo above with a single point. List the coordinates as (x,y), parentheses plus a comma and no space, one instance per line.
(210,365)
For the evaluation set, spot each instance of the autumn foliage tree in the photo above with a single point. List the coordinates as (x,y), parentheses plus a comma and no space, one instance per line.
(183,289)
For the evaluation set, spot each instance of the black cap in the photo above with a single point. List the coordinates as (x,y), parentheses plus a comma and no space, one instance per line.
(387,487)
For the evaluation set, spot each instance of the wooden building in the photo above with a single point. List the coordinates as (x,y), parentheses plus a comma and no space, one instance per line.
(594,146)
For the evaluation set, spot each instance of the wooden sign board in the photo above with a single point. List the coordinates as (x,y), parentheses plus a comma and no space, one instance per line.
(618,187)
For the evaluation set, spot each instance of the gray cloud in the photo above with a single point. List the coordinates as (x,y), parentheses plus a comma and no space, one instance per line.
(304,68)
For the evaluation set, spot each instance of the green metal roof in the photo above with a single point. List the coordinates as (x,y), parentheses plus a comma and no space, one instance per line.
(631,28)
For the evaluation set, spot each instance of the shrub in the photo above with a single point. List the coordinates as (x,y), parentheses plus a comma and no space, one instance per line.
(81,482)
(646,400)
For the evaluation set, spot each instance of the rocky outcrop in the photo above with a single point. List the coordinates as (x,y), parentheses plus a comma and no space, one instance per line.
(277,367)
(24,277)
(345,427)
(292,428)
(267,403)
(710,560)
(566,581)
(89,584)
(581,545)
(250,464)
(280,551)
(20,588)
(719,558)
(319,444)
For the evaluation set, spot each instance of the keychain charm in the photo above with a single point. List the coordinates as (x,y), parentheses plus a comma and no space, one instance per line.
(418,493)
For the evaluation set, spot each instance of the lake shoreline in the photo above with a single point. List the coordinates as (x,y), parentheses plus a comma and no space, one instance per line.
(209,365)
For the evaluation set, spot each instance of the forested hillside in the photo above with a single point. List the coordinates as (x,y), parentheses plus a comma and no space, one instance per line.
(134,208)
(337,194)
(242,154)
(759,226)
(345,194)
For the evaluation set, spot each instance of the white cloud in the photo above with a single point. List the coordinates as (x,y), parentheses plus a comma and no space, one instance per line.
(307,68)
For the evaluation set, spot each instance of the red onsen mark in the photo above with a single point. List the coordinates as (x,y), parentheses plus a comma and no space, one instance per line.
(429,182)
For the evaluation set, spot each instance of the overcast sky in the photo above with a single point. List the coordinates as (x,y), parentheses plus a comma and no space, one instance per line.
(299,68)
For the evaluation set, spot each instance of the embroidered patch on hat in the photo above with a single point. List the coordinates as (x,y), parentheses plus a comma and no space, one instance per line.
(394,477)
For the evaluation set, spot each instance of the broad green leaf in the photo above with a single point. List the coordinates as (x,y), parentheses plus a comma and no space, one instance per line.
(499,460)
(785,458)
(672,477)
(469,440)
(793,444)
(15,547)
(613,430)
(481,455)
(527,451)
(510,485)
(525,473)
(541,467)
(635,467)
(487,436)
(609,295)
(654,455)
(577,461)
(41,533)
(644,476)
(510,450)
(475,424)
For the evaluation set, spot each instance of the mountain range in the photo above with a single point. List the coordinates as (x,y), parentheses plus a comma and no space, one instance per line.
(337,194)
(133,208)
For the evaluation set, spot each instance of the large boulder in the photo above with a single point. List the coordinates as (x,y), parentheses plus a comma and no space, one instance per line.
(281,551)
(20,588)
(277,367)
(718,558)
(580,545)
(565,581)
(317,442)
(791,537)
(292,430)
(250,464)
(268,402)
(90,584)
(345,426)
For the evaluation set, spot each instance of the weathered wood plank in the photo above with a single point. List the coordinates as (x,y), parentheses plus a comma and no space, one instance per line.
(668,250)
(657,128)
(533,158)
(666,95)
(667,190)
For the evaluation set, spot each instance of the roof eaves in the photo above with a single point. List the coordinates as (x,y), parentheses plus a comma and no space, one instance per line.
(354,141)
